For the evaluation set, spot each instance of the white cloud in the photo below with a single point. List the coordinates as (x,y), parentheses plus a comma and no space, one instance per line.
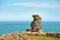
(27,16)
(22,17)
(51,5)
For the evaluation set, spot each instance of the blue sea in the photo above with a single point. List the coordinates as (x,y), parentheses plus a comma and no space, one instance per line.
(17,26)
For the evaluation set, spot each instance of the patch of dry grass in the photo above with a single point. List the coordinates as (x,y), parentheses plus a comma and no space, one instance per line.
(25,36)
(41,38)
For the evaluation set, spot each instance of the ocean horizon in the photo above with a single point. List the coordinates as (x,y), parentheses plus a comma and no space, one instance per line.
(21,26)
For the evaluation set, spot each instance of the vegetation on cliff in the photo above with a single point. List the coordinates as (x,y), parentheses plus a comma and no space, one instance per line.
(25,36)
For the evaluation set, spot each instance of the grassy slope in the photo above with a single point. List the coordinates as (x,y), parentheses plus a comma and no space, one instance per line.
(41,38)
(29,37)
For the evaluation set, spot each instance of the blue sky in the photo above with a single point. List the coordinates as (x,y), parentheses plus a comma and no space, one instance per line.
(22,10)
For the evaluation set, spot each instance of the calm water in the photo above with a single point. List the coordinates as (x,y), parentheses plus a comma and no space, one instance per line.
(6,27)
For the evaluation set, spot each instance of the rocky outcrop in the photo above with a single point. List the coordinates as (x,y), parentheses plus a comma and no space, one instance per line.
(56,35)
(35,24)
(29,36)
(36,28)
(12,36)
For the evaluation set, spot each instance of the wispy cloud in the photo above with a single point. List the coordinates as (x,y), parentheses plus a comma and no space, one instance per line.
(26,4)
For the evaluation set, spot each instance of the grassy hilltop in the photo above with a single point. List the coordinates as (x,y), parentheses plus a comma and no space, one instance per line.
(25,36)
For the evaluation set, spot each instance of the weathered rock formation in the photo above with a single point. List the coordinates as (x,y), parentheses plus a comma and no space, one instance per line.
(30,36)
(56,35)
(36,24)
(12,36)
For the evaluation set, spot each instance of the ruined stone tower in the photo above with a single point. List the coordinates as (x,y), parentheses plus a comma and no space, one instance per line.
(35,24)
